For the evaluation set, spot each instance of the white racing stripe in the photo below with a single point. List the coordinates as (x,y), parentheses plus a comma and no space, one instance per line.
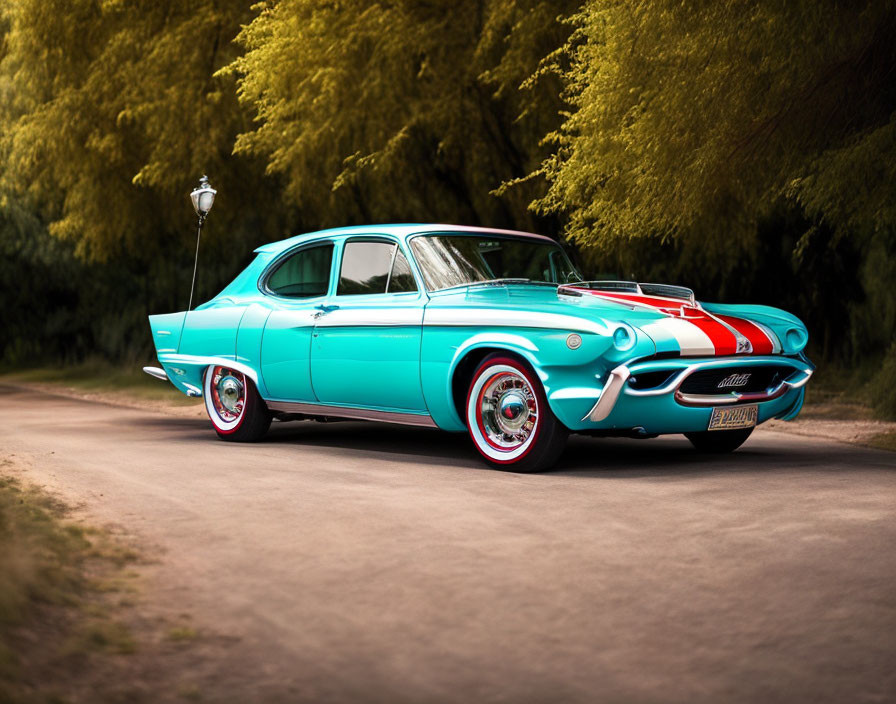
(691,339)
(511,318)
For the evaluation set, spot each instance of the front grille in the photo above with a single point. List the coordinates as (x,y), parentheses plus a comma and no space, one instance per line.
(651,380)
(735,379)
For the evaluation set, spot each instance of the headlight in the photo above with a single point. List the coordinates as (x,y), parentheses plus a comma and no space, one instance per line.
(796,339)
(623,338)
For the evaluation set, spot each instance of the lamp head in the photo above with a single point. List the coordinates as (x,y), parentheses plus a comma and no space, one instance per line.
(203,197)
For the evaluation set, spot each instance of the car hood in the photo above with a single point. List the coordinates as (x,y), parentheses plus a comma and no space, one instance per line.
(674,326)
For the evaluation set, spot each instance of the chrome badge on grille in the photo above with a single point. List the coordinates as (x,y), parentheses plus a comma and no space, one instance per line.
(733,381)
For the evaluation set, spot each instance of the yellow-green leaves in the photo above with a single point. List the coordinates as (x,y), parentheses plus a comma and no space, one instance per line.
(694,117)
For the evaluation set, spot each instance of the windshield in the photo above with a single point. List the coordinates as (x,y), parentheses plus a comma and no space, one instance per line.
(457,260)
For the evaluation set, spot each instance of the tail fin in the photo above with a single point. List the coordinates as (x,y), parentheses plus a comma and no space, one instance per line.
(166,331)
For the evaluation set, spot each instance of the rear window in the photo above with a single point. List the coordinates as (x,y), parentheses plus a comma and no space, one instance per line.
(305,274)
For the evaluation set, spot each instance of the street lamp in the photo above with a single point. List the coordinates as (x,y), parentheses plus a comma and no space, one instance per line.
(203,197)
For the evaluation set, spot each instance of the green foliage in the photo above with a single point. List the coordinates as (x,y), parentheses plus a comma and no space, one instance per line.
(694,119)
(115,113)
(400,111)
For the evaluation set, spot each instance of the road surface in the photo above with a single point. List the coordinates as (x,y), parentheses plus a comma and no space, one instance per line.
(368,562)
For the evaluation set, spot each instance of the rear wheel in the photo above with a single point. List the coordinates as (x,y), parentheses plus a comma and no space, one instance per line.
(719,441)
(234,406)
(509,419)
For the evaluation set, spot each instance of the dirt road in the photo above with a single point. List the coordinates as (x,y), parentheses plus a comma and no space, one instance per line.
(367,562)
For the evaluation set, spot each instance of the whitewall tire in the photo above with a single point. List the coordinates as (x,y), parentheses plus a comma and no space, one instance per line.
(508,416)
(233,404)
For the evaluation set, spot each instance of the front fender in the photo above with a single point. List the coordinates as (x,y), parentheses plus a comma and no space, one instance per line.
(572,377)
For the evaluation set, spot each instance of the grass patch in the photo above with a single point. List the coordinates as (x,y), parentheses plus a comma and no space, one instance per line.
(51,611)
(884,441)
(839,393)
(102,635)
(182,634)
(100,376)
(40,557)
(862,391)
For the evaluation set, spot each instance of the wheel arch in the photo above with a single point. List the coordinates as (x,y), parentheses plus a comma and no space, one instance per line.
(187,372)
(469,356)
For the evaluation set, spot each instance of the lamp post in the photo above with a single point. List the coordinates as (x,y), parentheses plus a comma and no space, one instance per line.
(203,197)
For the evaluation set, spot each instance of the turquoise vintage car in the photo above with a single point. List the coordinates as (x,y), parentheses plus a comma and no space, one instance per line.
(485,331)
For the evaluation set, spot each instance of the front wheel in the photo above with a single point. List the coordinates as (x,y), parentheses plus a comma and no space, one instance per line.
(718,441)
(234,406)
(509,419)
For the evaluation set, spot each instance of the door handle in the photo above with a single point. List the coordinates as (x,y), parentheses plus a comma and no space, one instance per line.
(323,309)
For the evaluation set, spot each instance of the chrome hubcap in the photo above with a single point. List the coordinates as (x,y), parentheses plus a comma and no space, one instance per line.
(508,409)
(228,393)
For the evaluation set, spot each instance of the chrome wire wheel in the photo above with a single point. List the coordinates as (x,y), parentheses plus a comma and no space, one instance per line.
(227,396)
(503,411)
(508,410)
(233,404)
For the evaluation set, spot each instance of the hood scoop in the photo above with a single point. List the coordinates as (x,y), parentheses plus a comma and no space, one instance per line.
(628,291)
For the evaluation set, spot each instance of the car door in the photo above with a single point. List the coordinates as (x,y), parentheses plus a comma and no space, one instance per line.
(365,349)
(294,288)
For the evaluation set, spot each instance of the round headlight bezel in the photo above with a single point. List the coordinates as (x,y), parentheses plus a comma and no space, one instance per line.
(623,338)
(796,339)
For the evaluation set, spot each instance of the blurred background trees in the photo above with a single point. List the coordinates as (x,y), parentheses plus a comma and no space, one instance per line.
(745,149)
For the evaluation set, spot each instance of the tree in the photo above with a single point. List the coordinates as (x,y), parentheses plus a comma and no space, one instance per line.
(405,110)
(114,112)
(696,119)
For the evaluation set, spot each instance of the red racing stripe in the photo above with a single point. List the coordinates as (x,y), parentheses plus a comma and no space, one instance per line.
(722,338)
(757,337)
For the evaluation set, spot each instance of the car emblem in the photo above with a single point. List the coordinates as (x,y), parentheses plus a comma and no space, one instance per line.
(734,380)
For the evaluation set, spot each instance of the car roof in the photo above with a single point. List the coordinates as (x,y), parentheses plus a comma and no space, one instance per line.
(402,230)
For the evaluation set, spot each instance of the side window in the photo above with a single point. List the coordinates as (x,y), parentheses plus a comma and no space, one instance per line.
(365,267)
(303,275)
(401,280)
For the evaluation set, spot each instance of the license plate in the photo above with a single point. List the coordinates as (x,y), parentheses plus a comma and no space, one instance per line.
(732,418)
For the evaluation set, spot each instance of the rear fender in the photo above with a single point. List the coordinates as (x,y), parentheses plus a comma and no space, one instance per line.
(186,370)
(166,331)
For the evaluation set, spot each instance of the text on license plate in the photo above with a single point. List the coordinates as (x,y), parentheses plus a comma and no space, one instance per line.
(731,418)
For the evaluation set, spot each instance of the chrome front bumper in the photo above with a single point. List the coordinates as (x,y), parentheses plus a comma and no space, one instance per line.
(617,385)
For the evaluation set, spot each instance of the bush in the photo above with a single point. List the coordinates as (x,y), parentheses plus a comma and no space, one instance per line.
(883,387)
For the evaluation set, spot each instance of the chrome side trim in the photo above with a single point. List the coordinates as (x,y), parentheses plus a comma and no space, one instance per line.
(204,361)
(319,409)
(607,401)
(156,372)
